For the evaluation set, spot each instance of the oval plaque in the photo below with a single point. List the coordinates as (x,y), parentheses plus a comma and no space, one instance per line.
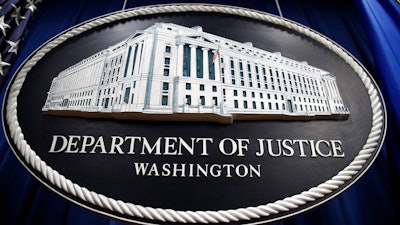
(194,114)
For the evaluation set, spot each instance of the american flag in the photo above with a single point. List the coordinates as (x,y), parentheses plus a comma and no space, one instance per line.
(15,16)
(215,56)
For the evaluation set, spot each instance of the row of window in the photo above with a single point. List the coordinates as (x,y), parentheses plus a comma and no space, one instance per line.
(113,62)
(301,83)
(110,74)
(270,56)
(71,103)
(278,106)
(82,94)
(75,79)
(188,100)
(275,96)
(201,87)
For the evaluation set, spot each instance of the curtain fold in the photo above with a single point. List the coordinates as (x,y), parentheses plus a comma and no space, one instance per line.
(381,21)
(368,29)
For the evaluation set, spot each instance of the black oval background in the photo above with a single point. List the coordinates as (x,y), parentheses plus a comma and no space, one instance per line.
(112,175)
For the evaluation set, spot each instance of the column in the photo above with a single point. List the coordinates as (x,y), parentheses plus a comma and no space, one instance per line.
(193,61)
(179,60)
(128,67)
(87,75)
(331,89)
(336,88)
(137,58)
(91,72)
(205,63)
(96,73)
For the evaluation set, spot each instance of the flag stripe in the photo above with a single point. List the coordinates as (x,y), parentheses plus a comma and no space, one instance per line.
(15,16)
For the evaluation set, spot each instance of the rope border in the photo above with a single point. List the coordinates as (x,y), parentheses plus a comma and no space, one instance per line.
(373,142)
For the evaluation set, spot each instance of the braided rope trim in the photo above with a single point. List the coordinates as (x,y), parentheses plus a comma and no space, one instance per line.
(373,142)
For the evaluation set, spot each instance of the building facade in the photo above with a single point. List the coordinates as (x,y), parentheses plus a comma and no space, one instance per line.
(169,69)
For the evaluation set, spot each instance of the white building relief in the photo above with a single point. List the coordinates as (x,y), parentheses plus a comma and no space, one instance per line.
(171,72)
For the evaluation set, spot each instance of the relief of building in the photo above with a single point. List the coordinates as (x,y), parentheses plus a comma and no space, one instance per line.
(171,72)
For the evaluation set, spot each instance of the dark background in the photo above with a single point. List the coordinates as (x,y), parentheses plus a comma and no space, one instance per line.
(371,200)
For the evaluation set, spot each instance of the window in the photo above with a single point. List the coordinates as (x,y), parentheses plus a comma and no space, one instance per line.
(165,86)
(253,94)
(254,105)
(167,61)
(168,48)
(186,61)
(215,101)
(188,86)
(236,104)
(166,72)
(127,93)
(202,100)
(214,88)
(201,87)
(244,94)
(199,63)
(164,100)
(235,93)
(245,104)
(188,99)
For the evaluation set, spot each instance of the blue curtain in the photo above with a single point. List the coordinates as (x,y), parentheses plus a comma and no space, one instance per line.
(368,29)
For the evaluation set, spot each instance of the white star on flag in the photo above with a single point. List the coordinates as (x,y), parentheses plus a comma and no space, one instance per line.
(2,64)
(13,46)
(3,25)
(15,16)
(30,5)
